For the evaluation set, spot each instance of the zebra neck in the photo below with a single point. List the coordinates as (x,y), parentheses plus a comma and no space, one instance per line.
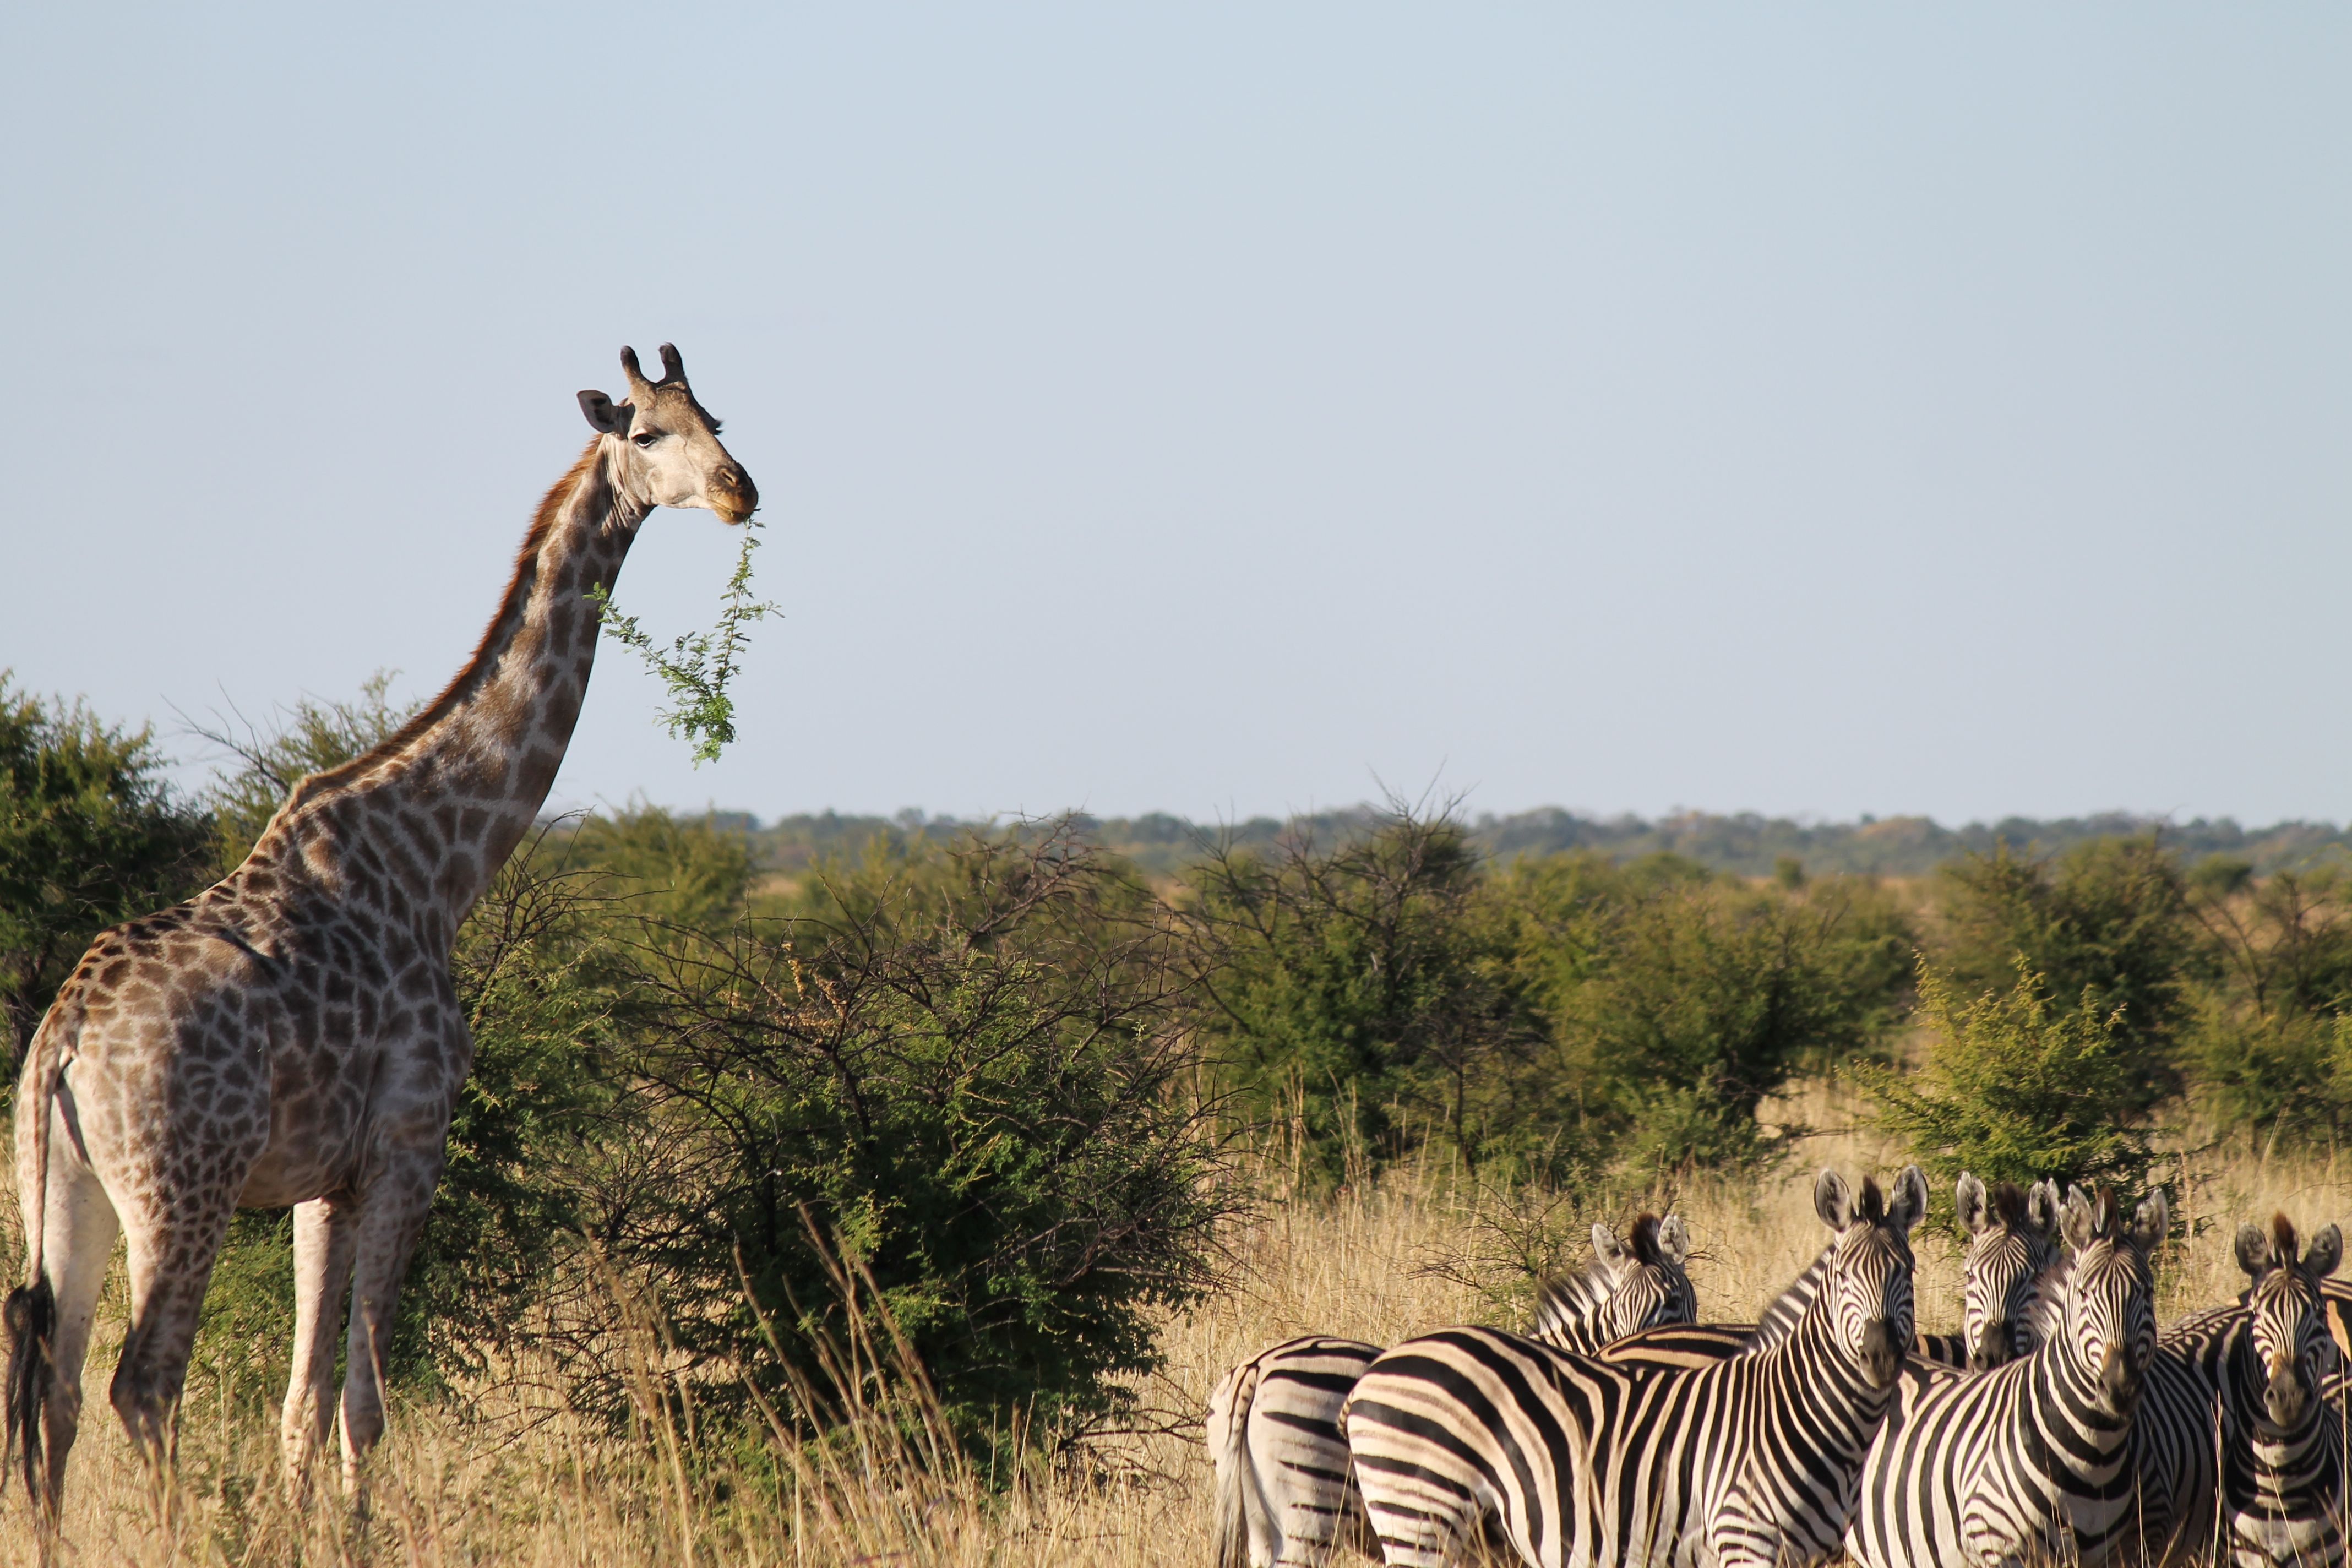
(2063,1382)
(1812,1354)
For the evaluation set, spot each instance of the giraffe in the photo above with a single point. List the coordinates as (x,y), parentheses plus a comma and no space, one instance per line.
(292,1035)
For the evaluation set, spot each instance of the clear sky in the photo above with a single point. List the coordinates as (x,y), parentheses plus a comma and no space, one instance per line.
(1222,408)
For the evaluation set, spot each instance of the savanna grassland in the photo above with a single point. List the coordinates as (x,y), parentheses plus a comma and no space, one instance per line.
(897,1195)
(519,1481)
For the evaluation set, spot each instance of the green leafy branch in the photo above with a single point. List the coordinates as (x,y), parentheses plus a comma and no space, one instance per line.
(697,666)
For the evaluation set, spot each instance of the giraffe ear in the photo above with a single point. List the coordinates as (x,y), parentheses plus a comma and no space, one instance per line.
(605,416)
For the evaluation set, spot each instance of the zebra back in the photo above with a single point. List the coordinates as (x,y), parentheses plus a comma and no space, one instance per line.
(1284,1493)
(1582,1461)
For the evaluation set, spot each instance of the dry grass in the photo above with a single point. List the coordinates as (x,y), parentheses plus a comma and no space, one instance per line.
(1415,1252)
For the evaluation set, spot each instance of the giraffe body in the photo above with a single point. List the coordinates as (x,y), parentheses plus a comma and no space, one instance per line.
(292,1035)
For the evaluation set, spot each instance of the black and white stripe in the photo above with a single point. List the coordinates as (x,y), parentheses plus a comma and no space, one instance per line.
(1754,1459)
(1285,1494)
(2012,1239)
(2282,1481)
(2030,1461)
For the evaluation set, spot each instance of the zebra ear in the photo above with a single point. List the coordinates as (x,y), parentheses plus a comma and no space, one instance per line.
(2042,1207)
(2325,1251)
(2254,1251)
(1673,1241)
(2078,1222)
(1832,1200)
(2152,1220)
(1910,1200)
(1606,1247)
(1968,1197)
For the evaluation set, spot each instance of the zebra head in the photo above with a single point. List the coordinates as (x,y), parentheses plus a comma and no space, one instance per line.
(2013,1234)
(1648,1288)
(2291,1350)
(2109,1317)
(1866,1289)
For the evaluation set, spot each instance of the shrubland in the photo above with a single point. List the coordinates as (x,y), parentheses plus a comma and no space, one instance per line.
(909,1202)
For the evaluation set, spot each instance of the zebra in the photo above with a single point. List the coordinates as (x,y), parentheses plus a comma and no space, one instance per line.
(2013,1234)
(2197,1429)
(1750,1462)
(1284,1492)
(2282,1479)
(2012,1237)
(2032,1461)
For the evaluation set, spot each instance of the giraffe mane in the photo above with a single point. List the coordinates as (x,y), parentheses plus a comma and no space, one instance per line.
(509,612)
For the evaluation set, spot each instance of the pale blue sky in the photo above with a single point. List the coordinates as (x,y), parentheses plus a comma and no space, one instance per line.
(1216,408)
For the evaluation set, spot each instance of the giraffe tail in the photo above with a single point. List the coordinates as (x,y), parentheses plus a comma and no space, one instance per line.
(32,1316)
(31,1313)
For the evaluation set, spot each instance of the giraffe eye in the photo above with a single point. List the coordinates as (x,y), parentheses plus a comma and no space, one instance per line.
(645,437)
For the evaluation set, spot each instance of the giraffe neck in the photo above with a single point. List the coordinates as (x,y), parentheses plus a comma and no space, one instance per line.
(434,811)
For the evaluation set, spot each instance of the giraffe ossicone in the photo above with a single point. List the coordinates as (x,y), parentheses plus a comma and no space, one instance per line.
(292,1035)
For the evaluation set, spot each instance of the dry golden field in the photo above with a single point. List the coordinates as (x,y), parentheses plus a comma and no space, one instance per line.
(1416,1251)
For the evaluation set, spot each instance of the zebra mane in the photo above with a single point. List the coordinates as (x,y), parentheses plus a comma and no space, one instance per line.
(2009,1205)
(1641,1240)
(1870,1208)
(2283,1245)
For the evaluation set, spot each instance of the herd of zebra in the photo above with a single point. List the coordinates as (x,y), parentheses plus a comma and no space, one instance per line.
(2060,1426)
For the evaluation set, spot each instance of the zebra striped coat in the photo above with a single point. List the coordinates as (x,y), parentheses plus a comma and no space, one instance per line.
(2032,1460)
(1748,1463)
(2282,1483)
(1284,1495)
(2012,1239)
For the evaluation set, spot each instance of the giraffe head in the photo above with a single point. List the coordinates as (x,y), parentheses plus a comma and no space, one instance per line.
(667,444)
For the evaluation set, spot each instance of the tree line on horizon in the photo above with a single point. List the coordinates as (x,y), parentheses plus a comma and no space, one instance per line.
(1742,844)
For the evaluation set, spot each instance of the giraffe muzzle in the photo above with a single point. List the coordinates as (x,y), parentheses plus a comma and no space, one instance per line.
(733,496)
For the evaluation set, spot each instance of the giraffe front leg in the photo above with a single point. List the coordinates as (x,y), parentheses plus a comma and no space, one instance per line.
(326,1234)
(387,1230)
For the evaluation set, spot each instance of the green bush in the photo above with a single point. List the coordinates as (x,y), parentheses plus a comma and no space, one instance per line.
(1698,1001)
(967,1074)
(1360,991)
(2264,1045)
(89,837)
(2109,919)
(2016,1089)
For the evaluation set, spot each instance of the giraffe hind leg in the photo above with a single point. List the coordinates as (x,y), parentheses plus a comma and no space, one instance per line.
(170,1251)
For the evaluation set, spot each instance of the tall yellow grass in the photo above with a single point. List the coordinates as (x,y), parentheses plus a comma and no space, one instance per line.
(534,1486)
